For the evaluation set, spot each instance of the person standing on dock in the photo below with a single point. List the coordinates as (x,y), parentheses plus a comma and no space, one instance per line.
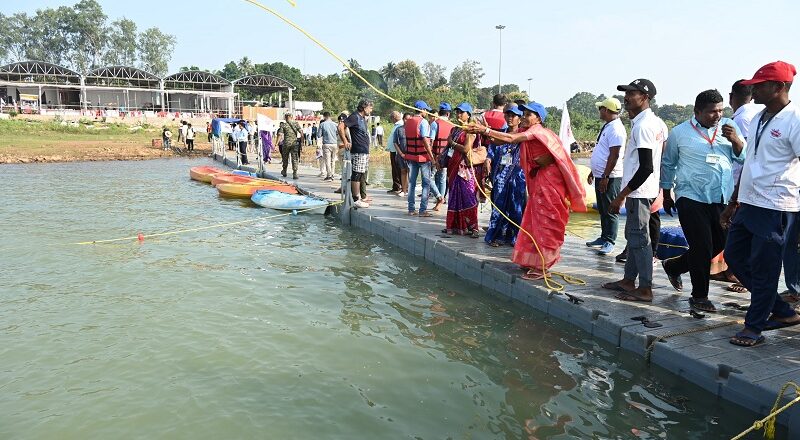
(606,173)
(289,135)
(419,157)
(765,209)
(358,144)
(327,131)
(240,134)
(554,187)
(440,131)
(640,177)
(698,164)
(397,120)
(189,137)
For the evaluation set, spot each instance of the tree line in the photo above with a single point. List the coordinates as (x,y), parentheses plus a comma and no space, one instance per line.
(80,37)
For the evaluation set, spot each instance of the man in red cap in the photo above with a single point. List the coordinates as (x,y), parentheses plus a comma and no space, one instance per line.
(764,207)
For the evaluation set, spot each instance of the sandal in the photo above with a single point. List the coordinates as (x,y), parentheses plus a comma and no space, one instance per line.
(425,214)
(746,338)
(474,234)
(737,288)
(702,304)
(494,244)
(615,286)
(775,323)
(723,276)
(791,298)
(412,213)
(632,297)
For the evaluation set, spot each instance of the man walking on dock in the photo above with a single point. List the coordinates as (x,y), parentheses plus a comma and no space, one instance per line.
(289,134)
(767,203)
(698,164)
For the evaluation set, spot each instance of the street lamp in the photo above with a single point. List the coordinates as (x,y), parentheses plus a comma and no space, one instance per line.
(529,88)
(500,28)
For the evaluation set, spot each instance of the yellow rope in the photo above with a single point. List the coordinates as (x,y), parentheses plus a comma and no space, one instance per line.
(768,422)
(546,275)
(202,228)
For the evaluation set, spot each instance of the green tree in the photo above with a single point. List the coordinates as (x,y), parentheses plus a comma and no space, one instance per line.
(389,73)
(121,43)
(280,70)
(336,92)
(246,66)
(155,49)
(87,26)
(466,77)
(49,35)
(434,75)
(230,71)
(409,75)
(190,68)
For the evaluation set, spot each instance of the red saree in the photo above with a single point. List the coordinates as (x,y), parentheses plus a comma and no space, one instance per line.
(547,212)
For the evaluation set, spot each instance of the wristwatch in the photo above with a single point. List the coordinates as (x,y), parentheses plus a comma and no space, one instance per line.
(604,177)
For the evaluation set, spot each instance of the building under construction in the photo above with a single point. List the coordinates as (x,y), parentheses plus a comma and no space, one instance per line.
(39,87)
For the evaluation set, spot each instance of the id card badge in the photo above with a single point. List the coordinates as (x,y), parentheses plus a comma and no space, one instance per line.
(755,170)
(449,152)
(714,159)
(505,160)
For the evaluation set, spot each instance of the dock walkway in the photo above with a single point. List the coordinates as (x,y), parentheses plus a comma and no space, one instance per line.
(694,349)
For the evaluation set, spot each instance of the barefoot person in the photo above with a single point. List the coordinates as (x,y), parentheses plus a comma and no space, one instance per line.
(698,164)
(767,204)
(552,180)
(641,170)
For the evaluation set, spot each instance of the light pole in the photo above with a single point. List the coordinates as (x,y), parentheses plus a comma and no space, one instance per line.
(529,88)
(500,28)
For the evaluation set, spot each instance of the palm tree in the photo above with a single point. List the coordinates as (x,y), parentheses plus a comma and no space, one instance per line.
(245,66)
(353,65)
(389,73)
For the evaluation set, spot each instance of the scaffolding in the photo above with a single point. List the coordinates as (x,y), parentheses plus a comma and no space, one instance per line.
(125,89)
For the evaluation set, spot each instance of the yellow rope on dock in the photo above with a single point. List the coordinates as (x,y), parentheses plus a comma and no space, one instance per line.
(768,422)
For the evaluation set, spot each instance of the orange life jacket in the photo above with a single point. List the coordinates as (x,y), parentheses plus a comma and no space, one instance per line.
(442,134)
(415,146)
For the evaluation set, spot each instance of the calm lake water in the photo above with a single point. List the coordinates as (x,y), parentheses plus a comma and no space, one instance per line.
(282,328)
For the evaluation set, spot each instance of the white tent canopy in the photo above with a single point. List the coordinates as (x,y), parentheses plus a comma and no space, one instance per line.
(308,105)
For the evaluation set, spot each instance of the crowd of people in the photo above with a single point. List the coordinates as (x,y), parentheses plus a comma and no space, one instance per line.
(735,184)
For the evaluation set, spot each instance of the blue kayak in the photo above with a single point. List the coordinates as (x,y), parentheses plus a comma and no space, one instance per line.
(288,202)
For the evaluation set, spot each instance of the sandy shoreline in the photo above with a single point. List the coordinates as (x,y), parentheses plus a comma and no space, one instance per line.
(100,153)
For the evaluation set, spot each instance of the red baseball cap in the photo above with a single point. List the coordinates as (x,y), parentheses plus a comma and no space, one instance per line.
(777,71)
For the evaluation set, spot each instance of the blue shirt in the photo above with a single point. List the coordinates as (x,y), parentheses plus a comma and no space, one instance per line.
(329,131)
(424,128)
(390,142)
(434,130)
(697,169)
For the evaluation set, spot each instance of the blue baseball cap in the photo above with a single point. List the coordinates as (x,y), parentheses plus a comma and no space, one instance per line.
(514,109)
(445,106)
(422,105)
(465,107)
(536,108)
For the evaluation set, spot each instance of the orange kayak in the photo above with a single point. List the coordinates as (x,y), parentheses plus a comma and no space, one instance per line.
(204,174)
(235,178)
(245,190)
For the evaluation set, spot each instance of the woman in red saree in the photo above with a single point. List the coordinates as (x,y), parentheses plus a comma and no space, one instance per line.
(552,180)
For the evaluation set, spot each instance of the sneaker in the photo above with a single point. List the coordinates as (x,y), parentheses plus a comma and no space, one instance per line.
(401,194)
(623,257)
(597,243)
(360,204)
(283,173)
(328,179)
(294,176)
(606,248)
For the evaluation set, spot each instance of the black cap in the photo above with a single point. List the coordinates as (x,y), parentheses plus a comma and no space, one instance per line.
(640,85)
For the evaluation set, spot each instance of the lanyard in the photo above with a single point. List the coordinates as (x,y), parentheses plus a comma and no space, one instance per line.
(704,136)
(762,127)
(601,131)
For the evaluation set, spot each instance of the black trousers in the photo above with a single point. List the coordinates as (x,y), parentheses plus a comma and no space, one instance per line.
(243,151)
(706,238)
(654,228)
(396,185)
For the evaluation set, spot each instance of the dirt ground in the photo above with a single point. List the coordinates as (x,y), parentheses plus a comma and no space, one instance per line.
(92,150)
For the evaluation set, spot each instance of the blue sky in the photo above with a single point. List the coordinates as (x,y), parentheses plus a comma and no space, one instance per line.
(683,46)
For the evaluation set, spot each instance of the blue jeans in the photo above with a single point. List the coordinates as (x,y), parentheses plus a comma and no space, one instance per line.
(753,252)
(439,183)
(791,259)
(609,223)
(640,252)
(414,169)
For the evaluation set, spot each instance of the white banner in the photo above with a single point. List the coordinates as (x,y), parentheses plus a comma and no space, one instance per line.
(265,123)
(565,131)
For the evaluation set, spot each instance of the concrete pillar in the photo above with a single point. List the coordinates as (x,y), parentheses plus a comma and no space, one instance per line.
(83,96)
(163,95)
(291,102)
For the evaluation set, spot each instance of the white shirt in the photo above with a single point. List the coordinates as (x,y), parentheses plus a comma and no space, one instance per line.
(647,131)
(744,114)
(613,135)
(742,117)
(379,130)
(189,133)
(771,173)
